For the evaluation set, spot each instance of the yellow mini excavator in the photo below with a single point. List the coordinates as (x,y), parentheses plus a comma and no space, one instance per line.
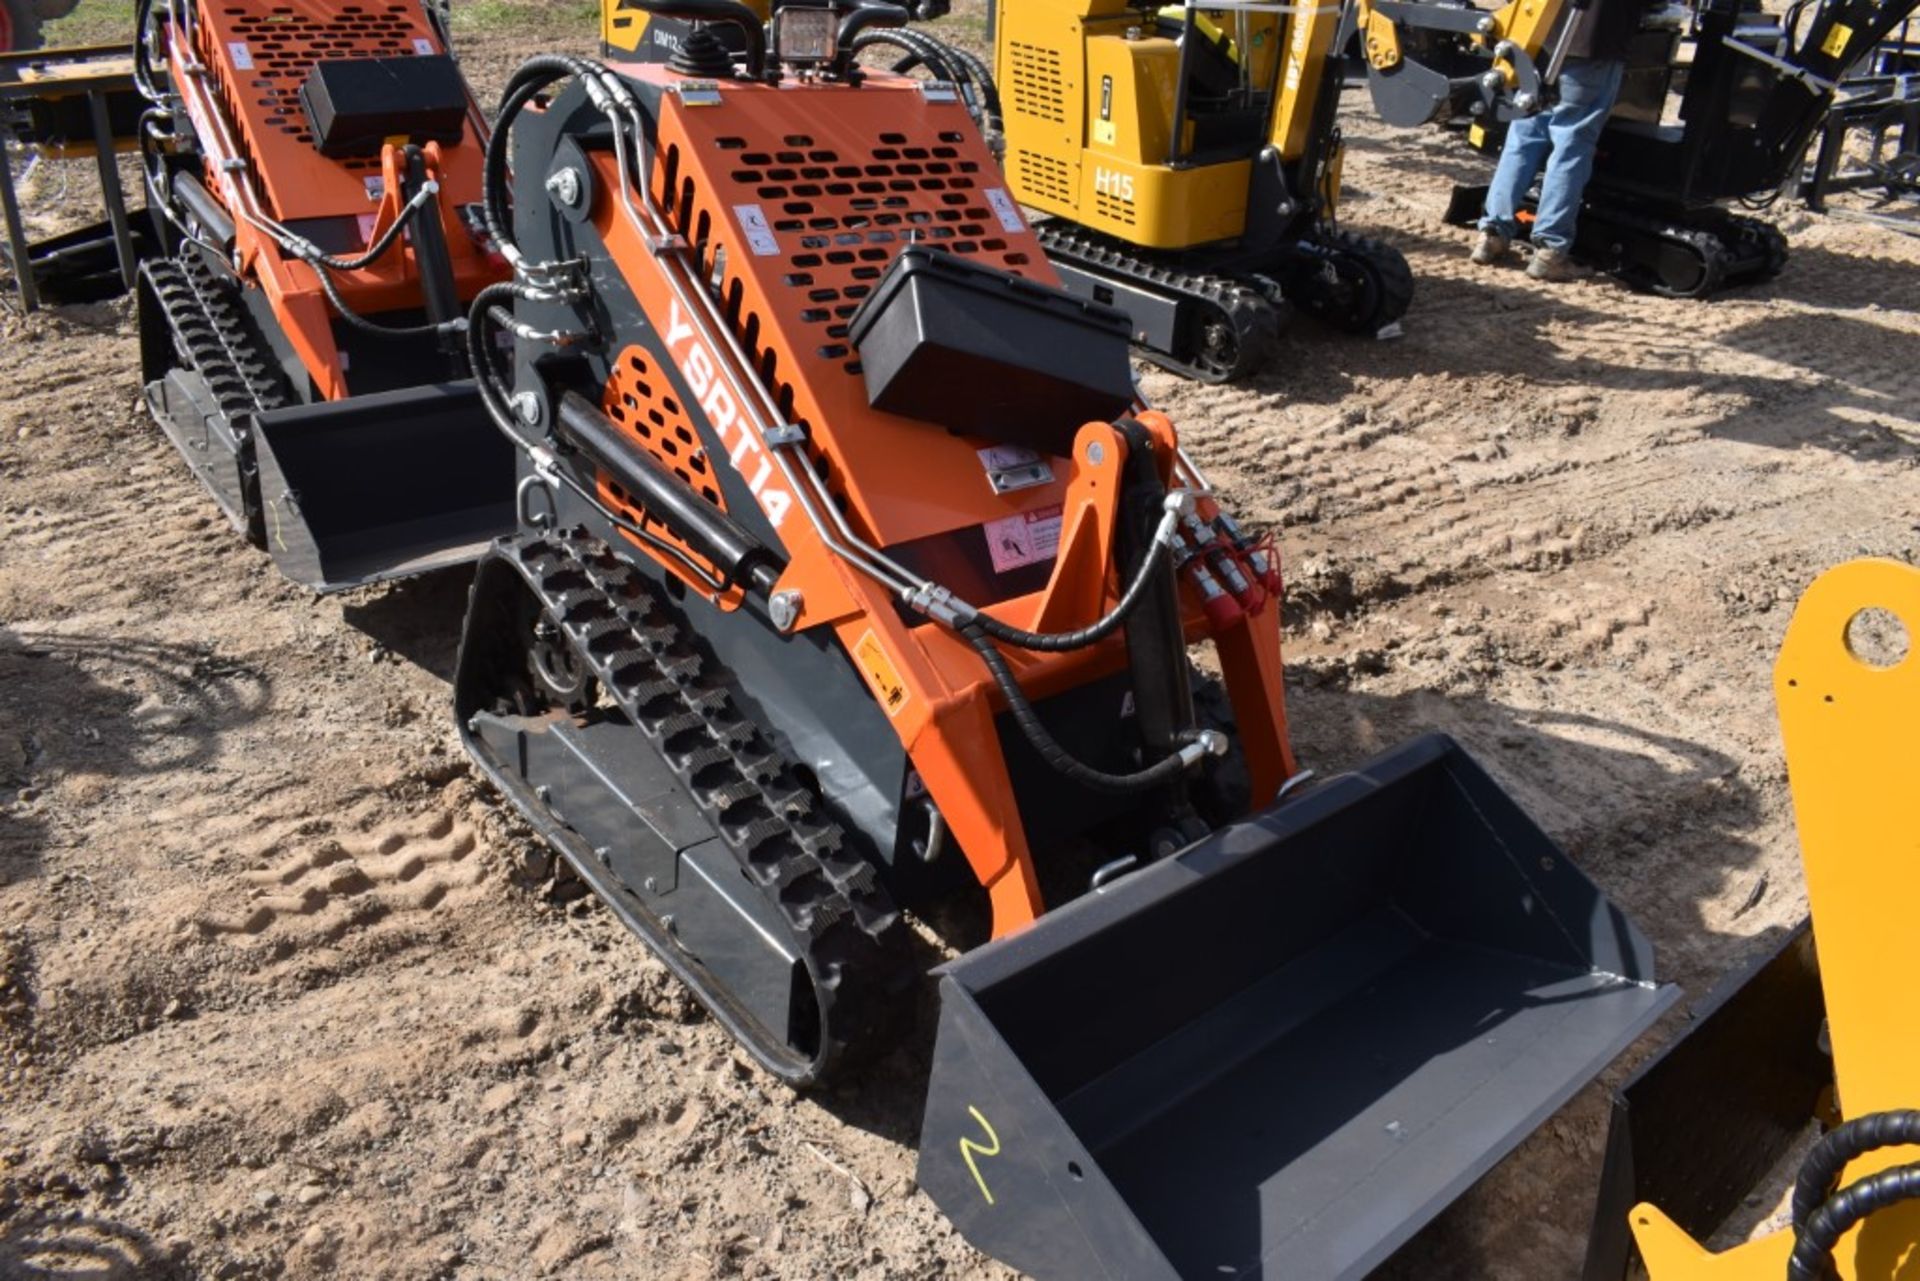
(1190,162)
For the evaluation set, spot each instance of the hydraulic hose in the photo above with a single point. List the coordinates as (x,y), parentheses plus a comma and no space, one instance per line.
(478,355)
(1158,774)
(374,327)
(1812,1258)
(916,56)
(1828,1159)
(379,247)
(1060,642)
(533,76)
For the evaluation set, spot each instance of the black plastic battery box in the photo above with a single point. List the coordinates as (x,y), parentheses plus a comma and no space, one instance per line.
(981,351)
(356,104)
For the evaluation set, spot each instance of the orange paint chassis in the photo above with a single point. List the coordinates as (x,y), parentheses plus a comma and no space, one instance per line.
(898,481)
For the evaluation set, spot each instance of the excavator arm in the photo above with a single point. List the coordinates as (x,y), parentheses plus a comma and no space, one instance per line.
(1494,69)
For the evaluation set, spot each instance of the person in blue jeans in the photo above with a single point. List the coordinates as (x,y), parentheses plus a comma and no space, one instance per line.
(1561,139)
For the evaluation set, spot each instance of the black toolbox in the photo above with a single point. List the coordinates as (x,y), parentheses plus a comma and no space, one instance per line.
(981,351)
(356,104)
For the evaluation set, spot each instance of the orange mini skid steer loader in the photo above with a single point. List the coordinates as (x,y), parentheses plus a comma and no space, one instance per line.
(852,580)
(310,164)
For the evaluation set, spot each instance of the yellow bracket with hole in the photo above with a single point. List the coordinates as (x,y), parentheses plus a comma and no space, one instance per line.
(1850,721)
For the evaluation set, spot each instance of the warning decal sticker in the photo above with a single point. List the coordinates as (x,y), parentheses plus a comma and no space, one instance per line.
(1023,540)
(760,238)
(1004,209)
(871,657)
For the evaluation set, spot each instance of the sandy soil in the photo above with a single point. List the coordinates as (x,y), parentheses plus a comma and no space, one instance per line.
(278,997)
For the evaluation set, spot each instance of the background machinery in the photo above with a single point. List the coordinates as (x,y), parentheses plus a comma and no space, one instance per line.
(22,21)
(851,582)
(1722,99)
(1190,162)
(312,167)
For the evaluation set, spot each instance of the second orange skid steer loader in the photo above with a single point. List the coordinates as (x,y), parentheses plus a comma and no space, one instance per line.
(311,165)
(853,581)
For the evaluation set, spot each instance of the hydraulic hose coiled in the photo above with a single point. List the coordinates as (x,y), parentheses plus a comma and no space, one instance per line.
(1158,774)
(1822,1215)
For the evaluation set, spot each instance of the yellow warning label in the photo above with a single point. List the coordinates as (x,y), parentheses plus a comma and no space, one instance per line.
(878,668)
(1836,42)
(625,30)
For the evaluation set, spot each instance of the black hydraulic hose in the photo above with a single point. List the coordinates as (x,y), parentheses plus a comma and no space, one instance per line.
(532,77)
(1156,775)
(1060,642)
(357,321)
(376,250)
(870,14)
(485,377)
(1828,1159)
(916,56)
(143,52)
(1814,1241)
(963,67)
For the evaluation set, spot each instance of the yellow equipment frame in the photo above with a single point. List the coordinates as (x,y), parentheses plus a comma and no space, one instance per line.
(1851,729)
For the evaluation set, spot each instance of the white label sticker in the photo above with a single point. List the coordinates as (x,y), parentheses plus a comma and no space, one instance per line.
(241,55)
(1004,209)
(1014,467)
(1023,540)
(423,47)
(376,187)
(753,221)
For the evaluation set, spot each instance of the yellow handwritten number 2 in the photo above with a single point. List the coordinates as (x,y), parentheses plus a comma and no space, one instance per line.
(969,1149)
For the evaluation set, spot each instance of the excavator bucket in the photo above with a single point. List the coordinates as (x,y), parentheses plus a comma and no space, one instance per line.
(1283,1050)
(382,486)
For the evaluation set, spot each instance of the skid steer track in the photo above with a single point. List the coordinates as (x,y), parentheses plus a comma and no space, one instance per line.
(840,920)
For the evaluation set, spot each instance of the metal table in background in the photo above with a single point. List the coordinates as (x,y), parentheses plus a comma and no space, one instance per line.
(69,104)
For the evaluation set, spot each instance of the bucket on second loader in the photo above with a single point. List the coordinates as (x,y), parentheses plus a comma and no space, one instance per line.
(1282,1051)
(382,486)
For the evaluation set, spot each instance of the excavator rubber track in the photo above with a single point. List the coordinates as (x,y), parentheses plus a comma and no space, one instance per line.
(1356,283)
(1694,257)
(1232,328)
(726,771)
(216,359)
(1682,259)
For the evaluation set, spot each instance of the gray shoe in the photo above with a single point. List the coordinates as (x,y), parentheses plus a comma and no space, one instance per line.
(1490,248)
(1553,265)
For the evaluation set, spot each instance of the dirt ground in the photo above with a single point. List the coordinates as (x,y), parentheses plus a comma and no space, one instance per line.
(277,999)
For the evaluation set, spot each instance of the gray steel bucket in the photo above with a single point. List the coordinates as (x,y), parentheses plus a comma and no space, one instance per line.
(382,486)
(1282,1051)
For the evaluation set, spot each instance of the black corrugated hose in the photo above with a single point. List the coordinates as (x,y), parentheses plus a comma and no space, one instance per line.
(1821,1215)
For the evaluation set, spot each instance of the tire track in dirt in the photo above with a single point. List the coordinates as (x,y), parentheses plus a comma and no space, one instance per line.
(379,872)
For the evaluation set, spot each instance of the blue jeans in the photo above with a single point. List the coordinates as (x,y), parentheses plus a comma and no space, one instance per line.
(1563,140)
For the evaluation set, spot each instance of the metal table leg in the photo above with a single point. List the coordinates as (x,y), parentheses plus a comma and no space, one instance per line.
(110,188)
(19,252)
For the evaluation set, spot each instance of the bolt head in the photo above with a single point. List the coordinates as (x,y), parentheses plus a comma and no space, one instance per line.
(783,608)
(566,187)
(1096,453)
